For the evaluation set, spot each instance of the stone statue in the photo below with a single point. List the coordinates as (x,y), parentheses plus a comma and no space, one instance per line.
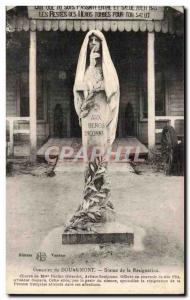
(96,99)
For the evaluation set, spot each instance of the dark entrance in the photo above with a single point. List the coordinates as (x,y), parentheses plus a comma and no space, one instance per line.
(129,120)
(58,121)
(75,128)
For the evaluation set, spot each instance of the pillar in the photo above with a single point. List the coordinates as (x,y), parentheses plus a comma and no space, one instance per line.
(32,95)
(151,91)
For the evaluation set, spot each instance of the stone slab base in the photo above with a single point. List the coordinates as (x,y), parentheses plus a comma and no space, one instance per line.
(97,238)
(53,242)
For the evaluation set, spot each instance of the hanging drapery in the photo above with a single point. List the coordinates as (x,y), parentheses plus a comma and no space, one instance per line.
(23,23)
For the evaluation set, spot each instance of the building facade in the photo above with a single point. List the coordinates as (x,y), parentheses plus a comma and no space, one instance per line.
(41,60)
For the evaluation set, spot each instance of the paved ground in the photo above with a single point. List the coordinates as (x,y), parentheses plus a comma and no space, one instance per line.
(150,203)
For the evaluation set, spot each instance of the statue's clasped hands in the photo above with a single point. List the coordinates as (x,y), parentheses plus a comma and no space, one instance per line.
(93,56)
(89,88)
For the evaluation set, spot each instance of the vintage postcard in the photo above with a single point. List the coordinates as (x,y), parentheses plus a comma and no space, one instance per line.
(95,150)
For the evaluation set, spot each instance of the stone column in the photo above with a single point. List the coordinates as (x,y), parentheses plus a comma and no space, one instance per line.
(151,91)
(32,95)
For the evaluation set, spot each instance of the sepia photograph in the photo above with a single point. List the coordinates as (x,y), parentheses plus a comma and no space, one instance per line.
(95,150)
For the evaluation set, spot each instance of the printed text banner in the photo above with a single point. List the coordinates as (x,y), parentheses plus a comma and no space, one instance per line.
(97,12)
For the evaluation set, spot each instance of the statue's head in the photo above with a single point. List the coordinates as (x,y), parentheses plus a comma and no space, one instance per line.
(94,42)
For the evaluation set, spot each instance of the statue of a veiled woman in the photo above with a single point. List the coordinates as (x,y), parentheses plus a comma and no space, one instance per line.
(96,99)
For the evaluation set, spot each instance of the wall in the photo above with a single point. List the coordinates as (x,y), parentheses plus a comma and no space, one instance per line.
(11,95)
(176,94)
(13,107)
(169,58)
(175,106)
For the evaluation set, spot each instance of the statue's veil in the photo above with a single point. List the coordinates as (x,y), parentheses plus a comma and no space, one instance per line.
(111,82)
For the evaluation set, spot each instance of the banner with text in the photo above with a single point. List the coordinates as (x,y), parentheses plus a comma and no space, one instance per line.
(97,12)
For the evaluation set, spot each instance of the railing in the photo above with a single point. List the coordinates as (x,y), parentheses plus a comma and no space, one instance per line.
(170,119)
(13,131)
